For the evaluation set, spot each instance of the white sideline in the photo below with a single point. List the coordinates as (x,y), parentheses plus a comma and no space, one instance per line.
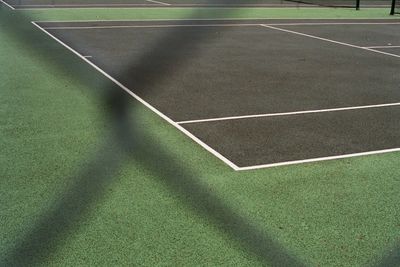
(289,113)
(183,130)
(6,4)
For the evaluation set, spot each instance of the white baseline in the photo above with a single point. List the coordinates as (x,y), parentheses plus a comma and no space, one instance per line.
(254,167)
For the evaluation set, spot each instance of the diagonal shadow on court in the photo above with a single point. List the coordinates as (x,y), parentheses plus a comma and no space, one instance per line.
(124,143)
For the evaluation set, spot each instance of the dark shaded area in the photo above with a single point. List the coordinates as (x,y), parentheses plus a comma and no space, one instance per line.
(90,183)
(124,142)
(270,140)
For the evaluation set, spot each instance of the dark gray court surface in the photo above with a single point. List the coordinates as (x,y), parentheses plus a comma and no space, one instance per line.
(191,3)
(259,92)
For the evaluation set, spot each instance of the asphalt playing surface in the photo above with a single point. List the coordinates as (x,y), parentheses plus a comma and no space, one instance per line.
(192,3)
(218,69)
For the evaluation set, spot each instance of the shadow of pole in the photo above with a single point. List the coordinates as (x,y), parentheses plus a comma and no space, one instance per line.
(124,143)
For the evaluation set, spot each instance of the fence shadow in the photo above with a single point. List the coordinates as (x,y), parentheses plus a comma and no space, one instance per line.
(125,142)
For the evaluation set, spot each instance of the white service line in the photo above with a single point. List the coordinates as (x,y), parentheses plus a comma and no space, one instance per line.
(383,46)
(5,3)
(159,113)
(158,2)
(147,26)
(318,159)
(87,56)
(329,40)
(289,113)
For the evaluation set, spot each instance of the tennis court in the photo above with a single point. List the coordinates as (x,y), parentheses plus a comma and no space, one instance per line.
(260,93)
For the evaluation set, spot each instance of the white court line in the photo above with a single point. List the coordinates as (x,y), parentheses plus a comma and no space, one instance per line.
(289,113)
(383,46)
(329,40)
(87,56)
(330,23)
(217,19)
(214,25)
(254,167)
(156,111)
(5,3)
(146,26)
(158,2)
(51,6)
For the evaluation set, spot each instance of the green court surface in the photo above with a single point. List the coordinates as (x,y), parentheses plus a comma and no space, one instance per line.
(89,176)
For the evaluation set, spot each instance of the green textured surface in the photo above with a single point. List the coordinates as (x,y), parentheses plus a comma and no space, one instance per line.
(146,205)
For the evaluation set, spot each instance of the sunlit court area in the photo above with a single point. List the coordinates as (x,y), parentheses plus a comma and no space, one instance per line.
(200,133)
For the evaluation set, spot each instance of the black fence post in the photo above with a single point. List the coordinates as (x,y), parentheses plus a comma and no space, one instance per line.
(393,7)
(358,5)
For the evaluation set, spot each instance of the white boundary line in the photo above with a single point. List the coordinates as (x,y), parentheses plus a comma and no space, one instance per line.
(217,19)
(158,2)
(329,40)
(146,26)
(215,25)
(173,123)
(383,46)
(6,4)
(330,23)
(289,113)
(50,6)
(318,159)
